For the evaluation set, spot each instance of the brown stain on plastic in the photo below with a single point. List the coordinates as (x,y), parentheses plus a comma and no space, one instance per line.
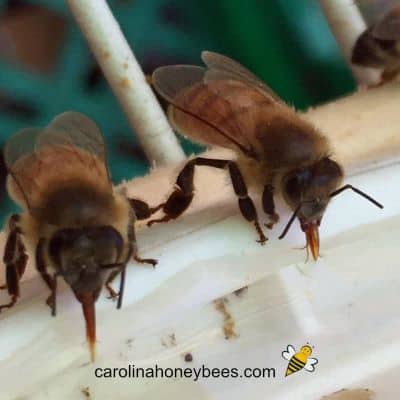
(125,83)
(229,323)
(170,341)
(86,393)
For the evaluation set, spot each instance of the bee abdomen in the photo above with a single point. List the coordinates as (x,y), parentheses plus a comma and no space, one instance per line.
(294,365)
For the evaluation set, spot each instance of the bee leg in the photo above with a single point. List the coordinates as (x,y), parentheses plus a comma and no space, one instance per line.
(15,260)
(151,261)
(132,252)
(21,266)
(268,204)
(112,293)
(142,209)
(246,204)
(50,281)
(181,198)
(136,257)
(9,252)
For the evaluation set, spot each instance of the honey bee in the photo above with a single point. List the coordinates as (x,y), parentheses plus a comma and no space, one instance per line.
(299,360)
(226,105)
(379,46)
(78,226)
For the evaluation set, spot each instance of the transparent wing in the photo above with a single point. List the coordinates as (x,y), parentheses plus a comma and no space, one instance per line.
(172,80)
(76,129)
(69,148)
(388,28)
(22,143)
(219,105)
(220,66)
(310,365)
(289,352)
(21,146)
(198,111)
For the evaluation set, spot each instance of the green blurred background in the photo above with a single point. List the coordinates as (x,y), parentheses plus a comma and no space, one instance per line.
(46,67)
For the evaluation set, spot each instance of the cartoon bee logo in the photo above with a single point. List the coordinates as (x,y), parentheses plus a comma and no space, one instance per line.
(299,360)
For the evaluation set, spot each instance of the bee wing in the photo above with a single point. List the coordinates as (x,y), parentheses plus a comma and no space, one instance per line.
(218,105)
(70,148)
(310,365)
(388,28)
(289,352)
(220,66)
(75,129)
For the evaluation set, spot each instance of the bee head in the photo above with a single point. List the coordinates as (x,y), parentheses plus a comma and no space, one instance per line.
(80,254)
(84,257)
(308,192)
(310,189)
(306,349)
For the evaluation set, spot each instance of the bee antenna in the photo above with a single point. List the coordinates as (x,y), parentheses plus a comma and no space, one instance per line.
(289,224)
(358,191)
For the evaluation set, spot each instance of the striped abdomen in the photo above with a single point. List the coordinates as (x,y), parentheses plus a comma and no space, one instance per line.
(295,365)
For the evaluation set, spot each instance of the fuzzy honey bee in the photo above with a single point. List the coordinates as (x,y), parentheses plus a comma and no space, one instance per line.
(299,360)
(379,46)
(78,226)
(226,105)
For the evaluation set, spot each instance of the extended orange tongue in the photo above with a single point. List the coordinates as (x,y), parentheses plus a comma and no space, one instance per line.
(312,236)
(89,312)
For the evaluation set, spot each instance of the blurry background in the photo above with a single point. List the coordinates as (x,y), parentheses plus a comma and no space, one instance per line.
(46,67)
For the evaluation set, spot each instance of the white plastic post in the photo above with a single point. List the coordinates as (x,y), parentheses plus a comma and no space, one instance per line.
(127,80)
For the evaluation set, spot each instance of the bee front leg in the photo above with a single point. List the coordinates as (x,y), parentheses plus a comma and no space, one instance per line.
(182,196)
(268,204)
(132,251)
(113,295)
(50,281)
(15,260)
